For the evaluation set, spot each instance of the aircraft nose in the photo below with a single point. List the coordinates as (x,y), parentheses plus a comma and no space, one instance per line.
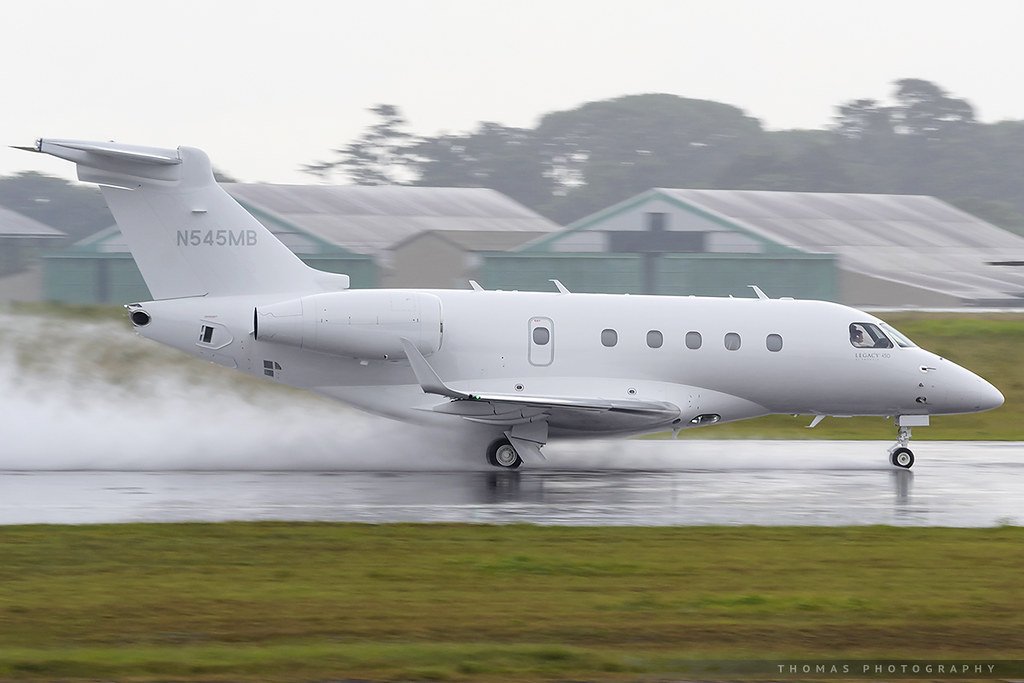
(977,395)
(989,398)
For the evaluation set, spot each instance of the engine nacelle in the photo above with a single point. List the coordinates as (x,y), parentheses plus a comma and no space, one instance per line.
(365,324)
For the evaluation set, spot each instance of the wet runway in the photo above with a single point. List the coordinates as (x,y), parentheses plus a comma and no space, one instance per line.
(584,483)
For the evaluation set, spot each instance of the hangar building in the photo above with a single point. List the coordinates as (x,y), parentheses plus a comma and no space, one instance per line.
(393,236)
(21,239)
(419,236)
(860,249)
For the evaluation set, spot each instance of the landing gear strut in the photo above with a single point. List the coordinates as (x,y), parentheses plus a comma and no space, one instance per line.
(900,455)
(503,454)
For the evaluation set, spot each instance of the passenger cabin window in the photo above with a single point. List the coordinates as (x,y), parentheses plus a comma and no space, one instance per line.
(541,336)
(773,342)
(868,336)
(609,337)
(693,340)
(732,341)
(655,339)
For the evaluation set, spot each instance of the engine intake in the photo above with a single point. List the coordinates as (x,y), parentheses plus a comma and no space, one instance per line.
(358,324)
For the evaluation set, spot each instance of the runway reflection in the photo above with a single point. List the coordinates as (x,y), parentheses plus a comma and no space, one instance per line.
(951,485)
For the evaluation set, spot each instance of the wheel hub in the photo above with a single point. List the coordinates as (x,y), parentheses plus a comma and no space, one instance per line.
(506,455)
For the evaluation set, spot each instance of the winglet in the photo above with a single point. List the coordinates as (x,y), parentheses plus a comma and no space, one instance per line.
(425,375)
(816,421)
(757,290)
(561,288)
(476,286)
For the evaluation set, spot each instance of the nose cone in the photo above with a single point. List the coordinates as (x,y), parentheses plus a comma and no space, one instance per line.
(988,396)
(972,394)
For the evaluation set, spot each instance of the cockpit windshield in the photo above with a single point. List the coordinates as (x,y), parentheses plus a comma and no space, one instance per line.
(898,337)
(868,336)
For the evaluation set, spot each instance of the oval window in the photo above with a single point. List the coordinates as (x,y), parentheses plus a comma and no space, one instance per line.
(732,341)
(609,337)
(693,340)
(655,339)
(541,336)
(773,342)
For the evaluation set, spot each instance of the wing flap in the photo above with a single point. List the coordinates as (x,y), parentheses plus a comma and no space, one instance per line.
(520,408)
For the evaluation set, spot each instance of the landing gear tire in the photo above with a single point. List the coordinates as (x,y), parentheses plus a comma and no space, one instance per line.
(902,457)
(503,454)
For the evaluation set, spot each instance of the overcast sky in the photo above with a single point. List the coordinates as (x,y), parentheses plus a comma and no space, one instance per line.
(267,86)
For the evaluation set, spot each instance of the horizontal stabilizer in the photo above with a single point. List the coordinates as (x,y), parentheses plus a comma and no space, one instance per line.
(73,149)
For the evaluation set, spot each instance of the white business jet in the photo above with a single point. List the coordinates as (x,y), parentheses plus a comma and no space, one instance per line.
(528,366)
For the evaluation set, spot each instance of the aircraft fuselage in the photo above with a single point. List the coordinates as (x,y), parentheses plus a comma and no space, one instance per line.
(609,346)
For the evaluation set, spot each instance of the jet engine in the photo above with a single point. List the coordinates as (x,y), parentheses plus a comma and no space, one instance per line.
(359,324)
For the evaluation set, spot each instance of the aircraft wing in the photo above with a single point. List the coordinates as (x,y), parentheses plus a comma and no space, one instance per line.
(589,414)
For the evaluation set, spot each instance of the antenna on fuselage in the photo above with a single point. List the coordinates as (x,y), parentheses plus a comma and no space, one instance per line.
(760,294)
(562,289)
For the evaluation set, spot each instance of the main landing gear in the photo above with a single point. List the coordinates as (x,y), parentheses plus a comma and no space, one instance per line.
(503,454)
(521,440)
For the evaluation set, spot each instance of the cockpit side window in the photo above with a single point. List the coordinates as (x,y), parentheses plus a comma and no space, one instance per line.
(898,337)
(868,336)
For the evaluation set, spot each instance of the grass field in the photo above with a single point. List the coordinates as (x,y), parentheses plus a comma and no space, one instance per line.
(460,602)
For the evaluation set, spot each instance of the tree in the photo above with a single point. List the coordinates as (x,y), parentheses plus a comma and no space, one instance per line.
(863,119)
(921,141)
(917,144)
(662,139)
(605,151)
(380,156)
(499,157)
(789,160)
(925,110)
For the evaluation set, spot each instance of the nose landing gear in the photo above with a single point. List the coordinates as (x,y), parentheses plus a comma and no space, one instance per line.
(902,457)
(900,454)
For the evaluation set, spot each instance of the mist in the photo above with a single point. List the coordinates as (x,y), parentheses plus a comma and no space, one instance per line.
(91,395)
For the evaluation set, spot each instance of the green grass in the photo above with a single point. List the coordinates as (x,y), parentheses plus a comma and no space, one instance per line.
(276,601)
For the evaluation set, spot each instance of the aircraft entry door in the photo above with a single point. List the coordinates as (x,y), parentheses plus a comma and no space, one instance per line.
(542,341)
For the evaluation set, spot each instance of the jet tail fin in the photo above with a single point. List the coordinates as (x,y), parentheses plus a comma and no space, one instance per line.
(188,236)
